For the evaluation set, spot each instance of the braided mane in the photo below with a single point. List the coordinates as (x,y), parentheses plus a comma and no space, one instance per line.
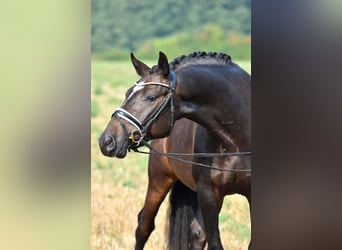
(200,58)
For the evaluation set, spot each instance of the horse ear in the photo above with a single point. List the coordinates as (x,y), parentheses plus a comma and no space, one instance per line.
(163,64)
(140,67)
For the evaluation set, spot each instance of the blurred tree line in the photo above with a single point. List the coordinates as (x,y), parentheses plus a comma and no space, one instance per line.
(145,26)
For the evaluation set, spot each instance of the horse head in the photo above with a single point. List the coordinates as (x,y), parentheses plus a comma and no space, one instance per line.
(147,111)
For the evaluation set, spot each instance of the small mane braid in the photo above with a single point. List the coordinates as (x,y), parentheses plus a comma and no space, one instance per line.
(200,58)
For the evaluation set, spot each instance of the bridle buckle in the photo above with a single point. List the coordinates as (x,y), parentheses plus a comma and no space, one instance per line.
(136,137)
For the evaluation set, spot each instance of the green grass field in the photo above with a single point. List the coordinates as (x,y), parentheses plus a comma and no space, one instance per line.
(118,186)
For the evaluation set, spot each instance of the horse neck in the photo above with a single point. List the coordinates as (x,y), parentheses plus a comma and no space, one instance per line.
(220,105)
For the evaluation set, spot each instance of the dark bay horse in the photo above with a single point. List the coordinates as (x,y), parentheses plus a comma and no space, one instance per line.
(209,89)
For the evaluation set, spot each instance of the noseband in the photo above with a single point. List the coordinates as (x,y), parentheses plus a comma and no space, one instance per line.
(142,127)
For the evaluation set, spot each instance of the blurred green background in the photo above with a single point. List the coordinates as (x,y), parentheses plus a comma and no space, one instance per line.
(45,124)
(175,27)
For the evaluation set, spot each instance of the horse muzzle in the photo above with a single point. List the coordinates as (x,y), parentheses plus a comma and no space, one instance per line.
(110,147)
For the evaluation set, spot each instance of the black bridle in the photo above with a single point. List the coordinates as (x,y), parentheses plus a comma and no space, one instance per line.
(142,127)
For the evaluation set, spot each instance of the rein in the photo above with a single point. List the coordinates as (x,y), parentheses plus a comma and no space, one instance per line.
(173,156)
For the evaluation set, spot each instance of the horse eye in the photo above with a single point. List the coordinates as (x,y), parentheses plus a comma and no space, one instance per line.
(151,98)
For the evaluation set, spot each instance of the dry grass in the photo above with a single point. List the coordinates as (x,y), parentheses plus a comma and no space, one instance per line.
(119,186)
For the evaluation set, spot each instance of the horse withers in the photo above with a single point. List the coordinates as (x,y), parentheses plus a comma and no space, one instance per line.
(207,88)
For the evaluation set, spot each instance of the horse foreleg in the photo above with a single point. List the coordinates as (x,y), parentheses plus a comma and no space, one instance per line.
(157,190)
(198,237)
(210,210)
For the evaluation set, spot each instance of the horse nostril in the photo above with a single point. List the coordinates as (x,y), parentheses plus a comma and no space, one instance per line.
(108,139)
(109,142)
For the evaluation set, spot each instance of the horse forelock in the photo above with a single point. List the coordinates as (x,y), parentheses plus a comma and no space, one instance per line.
(200,58)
